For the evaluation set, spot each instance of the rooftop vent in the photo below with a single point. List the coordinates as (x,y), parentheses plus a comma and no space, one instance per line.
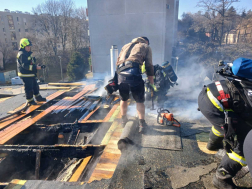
(6,10)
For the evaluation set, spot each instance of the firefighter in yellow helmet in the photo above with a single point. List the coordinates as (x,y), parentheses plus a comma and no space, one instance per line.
(27,70)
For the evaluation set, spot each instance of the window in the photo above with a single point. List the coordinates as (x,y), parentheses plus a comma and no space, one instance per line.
(10,21)
(3,29)
(25,23)
(13,36)
(5,40)
(14,46)
(26,30)
(58,46)
(19,30)
(17,19)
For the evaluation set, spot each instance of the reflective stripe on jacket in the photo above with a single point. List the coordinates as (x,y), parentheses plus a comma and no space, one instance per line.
(25,65)
(213,95)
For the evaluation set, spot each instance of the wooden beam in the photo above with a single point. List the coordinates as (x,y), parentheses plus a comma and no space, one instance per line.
(37,166)
(88,116)
(4,123)
(75,177)
(58,151)
(54,88)
(94,121)
(111,112)
(68,84)
(16,184)
(3,99)
(110,156)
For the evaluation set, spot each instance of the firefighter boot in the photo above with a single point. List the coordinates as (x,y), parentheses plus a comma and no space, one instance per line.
(215,142)
(31,102)
(142,126)
(223,180)
(39,98)
(124,120)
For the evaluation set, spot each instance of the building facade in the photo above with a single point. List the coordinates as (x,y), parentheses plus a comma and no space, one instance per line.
(14,25)
(117,22)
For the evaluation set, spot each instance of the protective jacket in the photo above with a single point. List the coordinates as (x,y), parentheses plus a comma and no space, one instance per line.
(26,64)
(161,79)
(141,52)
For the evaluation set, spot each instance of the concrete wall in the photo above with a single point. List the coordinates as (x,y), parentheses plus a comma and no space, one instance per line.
(117,22)
(1,60)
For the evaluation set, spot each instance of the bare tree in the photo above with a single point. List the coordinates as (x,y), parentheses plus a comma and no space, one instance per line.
(220,7)
(66,13)
(7,51)
(244,27)
(47,22)
(78,36)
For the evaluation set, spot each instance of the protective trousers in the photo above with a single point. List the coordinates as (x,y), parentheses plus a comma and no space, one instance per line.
(247,148)
(233,161)
(31,87)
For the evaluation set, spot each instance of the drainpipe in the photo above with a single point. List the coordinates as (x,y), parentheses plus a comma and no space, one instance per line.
(113,59)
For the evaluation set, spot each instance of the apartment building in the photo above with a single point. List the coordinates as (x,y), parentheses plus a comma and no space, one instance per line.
(14,25)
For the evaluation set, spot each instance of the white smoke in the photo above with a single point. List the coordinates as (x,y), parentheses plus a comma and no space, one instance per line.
(183,98)
(101,91)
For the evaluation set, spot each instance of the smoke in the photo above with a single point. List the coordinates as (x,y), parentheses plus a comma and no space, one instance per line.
(132,110)
(101,91)
(183,98)
(101,81)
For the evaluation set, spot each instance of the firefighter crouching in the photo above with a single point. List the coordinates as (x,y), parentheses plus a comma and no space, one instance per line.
(27,71)
(225,104)
(164,78)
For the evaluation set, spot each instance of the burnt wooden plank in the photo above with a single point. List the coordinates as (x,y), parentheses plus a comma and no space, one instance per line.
(4,123)
(15,129)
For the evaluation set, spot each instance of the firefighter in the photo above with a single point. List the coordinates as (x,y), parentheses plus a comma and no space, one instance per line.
(162,82)
(247,148)
(129,62)
(230,127)
(27,71)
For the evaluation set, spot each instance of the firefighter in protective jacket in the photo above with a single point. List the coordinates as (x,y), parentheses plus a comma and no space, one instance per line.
(27,71)
(163,80)
(222,108)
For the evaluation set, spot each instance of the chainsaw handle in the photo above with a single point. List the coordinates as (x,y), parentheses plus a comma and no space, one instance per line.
(161,110)
(176,125)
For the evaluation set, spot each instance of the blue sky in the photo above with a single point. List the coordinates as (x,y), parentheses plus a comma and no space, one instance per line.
(185,5)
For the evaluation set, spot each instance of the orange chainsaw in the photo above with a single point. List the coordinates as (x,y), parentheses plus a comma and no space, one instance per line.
(165,117)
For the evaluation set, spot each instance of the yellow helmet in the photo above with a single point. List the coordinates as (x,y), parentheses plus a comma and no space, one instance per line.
(25,42)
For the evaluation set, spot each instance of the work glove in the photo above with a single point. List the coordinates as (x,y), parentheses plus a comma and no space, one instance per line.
(153,87)
(43,66)
(34,60)
(221,63)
